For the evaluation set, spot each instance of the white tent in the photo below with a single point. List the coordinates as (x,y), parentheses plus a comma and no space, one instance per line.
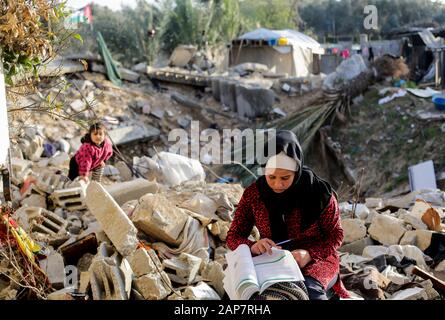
(294,57)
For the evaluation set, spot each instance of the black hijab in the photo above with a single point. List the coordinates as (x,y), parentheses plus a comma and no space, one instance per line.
(308,192)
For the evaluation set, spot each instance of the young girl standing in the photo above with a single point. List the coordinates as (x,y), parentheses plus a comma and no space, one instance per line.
(95,150)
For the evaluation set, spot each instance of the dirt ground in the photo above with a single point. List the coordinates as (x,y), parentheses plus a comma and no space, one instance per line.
(382,141)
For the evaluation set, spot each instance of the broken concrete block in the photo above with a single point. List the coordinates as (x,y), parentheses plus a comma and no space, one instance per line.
(129,75)
(430,291)
(72,199)
(358,210)
(413,219)
(354,229)
(54,268)
(20,168)
(124,135)
(409,238)
(110,275)
(434,197)
(357,246)
(182,55)
(402,202)
(50,224)
(49,182)
(140,67)
(374,251)
(110,170)
(77,105)
(220,229)
(386,229)
(202,205)
(144,261)
(214,274)
(421,238)
(252,102)
(32,148)
(35,219)
(183,269)
(158,112)
(202,291)
(125,74)
(195,241)
(84,263)
(228,93)
(409,251)
(153,286)
(410,294)
(131,190)
(184,121)
(84,282)
(35,200)
(216,93)
(129,206)
(159,218)
(106,281)
(60,160)
(124,171)
(112,219)
(250,67)
(220,254)
(374,202)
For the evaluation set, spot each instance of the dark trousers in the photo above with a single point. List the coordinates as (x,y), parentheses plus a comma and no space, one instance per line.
(73,173)
(315,288)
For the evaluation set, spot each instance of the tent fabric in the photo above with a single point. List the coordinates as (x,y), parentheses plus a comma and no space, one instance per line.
(112,71)
(295,38)
(296,58)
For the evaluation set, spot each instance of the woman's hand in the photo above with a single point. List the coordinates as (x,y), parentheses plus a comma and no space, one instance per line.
(102,165)
(84,178)
(262,246)
(302,257)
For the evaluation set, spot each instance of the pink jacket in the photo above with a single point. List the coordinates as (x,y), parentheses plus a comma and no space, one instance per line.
(89,156)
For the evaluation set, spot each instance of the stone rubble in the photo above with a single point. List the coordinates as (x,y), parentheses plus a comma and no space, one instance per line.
(158,230)
(133,238)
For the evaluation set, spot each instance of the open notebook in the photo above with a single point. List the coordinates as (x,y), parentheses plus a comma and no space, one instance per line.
(245,275)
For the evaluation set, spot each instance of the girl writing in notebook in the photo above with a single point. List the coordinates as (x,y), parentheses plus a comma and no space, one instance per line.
(291,202)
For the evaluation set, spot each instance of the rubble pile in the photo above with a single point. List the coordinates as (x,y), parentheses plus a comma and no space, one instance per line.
(136,239)
(150,240)
(156,227)
(387,240)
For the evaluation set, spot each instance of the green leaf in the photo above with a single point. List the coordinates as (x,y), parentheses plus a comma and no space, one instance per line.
(78,37)
(8,80)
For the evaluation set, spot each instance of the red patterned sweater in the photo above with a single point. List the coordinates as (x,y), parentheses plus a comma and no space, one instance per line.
(89,156)
(321,239)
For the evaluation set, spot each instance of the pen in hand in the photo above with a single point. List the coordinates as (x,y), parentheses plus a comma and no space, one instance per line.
(283,242)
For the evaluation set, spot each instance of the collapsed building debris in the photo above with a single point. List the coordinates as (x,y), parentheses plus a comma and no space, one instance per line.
(157,229)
